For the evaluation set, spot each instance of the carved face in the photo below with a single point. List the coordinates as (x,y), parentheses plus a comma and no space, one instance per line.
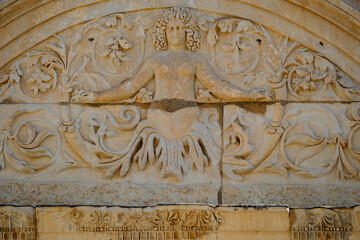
(175,33)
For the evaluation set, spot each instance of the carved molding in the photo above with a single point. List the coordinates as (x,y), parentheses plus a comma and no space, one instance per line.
(16,223)
(321,224)
(146,225)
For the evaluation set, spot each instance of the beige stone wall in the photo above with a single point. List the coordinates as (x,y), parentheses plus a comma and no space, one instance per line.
(178,222)
(143,103)
(244,103)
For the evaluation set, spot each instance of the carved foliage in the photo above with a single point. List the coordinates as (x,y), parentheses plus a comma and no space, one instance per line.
(111,49)
(175,148)
(321,224)
(36,76)
(17,224)
(115,46)
(159,224)
(310,140)
(29,143)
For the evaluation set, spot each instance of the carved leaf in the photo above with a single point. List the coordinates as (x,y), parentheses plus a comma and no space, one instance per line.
(17,164)
(243,26)
(37,152)
(303,139)
(212,36)
(4,78)
(309,152)
(110,41)
(15,75)
(59,49)
(34,140)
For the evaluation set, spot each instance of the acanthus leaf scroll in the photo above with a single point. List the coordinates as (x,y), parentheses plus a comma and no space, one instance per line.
(192,146)
(24,145)
(109,60)
(110,50)
(311,140)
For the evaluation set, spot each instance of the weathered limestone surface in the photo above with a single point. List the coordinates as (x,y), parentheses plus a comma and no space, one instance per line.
(140,103)
(178,222)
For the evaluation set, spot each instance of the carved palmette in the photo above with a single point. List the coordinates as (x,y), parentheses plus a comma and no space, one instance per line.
(17,223)
(321,224)
(147,225)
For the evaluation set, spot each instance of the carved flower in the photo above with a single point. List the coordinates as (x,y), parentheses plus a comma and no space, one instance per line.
(304,84)
(100,219)
(40,81)
(115,50)
(202,219)
(307,69)
(166,218)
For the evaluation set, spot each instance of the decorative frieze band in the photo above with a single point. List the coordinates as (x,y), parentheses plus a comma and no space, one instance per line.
(177,222)
(322,224)
(221,59)
(17,223)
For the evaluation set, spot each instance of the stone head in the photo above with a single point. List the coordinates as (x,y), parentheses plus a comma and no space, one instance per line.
(176,26)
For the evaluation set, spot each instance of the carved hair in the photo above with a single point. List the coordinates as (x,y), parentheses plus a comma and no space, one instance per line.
(184,15)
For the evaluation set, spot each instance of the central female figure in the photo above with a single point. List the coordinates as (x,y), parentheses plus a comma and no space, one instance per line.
(182,140)
(175,67)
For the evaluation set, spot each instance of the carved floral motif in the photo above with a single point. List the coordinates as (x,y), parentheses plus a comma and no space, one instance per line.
(321,224)
(22,144)
(36,76)
(17,224)
(110,50)
(310,140)
(107,61)
(172,223)
(175,150)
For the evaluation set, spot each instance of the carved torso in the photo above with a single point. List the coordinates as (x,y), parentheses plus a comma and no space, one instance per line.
(174,75)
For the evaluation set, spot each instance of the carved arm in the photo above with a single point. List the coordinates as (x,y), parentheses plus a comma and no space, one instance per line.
(126,89)
(223,90)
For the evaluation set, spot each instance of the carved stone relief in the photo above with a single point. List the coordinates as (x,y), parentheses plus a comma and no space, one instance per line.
(177,222)
(313,140)
(125,224)
(321,224)
(17,223)
(146,97)
(112,52)
(111,139)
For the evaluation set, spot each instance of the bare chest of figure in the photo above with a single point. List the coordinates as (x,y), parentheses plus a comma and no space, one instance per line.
(175,75)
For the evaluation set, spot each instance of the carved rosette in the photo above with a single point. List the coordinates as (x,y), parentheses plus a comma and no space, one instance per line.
(321,224)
